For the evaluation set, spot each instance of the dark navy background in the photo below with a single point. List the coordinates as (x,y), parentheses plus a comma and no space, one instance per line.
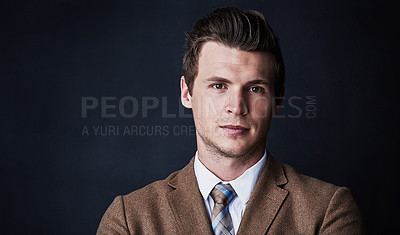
(54,180)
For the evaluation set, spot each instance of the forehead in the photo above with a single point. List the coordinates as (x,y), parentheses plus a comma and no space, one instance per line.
(217,58)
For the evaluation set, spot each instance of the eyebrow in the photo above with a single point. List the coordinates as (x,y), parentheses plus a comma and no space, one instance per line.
(217,79)
(224,80)
(258,81)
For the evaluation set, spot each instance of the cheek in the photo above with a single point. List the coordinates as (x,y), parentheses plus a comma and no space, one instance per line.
(207,107)
(261,107)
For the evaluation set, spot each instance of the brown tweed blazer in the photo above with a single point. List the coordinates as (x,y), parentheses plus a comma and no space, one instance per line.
(283,202)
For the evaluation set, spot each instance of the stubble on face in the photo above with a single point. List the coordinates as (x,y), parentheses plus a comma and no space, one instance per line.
(217,111)
(219,152)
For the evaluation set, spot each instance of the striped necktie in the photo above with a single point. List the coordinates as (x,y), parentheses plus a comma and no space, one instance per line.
(222,194)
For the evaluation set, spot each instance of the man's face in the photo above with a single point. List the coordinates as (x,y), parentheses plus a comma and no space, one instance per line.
(232,99)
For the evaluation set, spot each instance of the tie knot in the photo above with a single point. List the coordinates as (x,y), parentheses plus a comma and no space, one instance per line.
(222,193)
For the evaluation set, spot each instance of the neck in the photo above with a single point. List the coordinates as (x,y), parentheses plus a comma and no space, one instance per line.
(229,168)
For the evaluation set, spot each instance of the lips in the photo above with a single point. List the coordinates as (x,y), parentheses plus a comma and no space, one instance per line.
(235,130)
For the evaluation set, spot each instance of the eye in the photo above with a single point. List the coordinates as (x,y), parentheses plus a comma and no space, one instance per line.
(218,86)
(256,89)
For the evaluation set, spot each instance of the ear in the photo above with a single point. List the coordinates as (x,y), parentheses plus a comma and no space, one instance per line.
(186,98)
(279,100)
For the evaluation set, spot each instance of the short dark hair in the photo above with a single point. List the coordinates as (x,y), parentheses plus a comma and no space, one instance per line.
(246,30)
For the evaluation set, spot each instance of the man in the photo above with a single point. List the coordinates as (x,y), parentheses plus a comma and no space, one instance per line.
(232,72)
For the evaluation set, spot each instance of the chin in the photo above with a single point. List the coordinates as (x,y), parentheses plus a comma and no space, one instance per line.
(234,151)
(232,148)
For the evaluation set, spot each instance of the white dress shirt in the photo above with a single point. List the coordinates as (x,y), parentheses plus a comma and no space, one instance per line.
(243,186)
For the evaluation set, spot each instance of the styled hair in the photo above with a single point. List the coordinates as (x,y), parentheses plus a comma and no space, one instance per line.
(246,30)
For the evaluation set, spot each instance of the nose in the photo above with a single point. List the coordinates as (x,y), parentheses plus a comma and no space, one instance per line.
(237,103)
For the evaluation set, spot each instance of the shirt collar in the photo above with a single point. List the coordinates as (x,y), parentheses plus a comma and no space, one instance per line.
(243,185)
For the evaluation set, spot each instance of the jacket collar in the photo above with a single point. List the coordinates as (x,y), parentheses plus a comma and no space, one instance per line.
(266,199)
(190,212)
(187,203)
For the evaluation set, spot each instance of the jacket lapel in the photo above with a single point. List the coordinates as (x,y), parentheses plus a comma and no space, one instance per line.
(266,199)
(187,204)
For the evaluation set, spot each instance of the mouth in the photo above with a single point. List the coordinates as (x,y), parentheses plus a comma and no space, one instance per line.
(235,130)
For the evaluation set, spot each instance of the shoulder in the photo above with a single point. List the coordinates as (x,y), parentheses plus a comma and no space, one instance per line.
(332,206)
(301,183)
(142,211)
(154,196)
(297,184)
(311,192)
(150,193)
